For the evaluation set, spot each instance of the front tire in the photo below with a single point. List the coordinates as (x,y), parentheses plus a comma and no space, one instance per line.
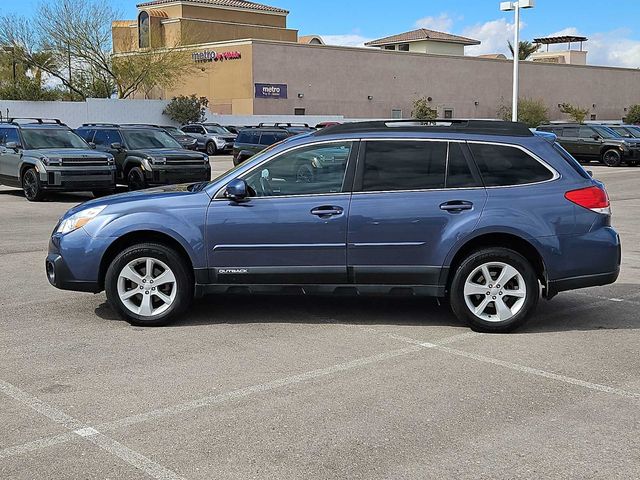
(612,158)
(136,180)
(149,285)
(494,290)
(211,149)
(31,185)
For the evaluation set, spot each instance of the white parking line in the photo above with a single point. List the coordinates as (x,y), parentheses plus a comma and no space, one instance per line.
(90,434)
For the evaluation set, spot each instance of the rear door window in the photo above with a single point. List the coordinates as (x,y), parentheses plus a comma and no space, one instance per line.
(404,165)
(86,134)
(104,138)
(268,138)
(9,135)
(459,173)
(503,165)
(248,136)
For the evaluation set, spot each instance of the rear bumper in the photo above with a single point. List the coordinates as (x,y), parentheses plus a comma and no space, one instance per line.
(585,281)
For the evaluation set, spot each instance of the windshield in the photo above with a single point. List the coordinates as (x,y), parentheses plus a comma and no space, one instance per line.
(174,131)
(38,139)
(148,138)
(606,132)
(634,131)
(217,129)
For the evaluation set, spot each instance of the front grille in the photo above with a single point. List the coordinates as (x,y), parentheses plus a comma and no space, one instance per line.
(85,162)
(185,161)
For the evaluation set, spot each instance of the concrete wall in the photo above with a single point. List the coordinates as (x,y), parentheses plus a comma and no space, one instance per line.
(75,114)
(338,80)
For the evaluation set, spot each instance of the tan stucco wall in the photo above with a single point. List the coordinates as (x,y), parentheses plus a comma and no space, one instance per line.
(210,31)
(337,81)
(235,16)
(124,38)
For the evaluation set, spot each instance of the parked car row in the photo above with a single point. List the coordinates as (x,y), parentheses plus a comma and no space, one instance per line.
(611,145)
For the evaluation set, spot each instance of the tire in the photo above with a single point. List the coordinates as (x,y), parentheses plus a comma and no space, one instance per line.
(304,173)
(469,278)
(31,185)
(211,148)
(102,193)
(127,273)
(612,157)
(135,179)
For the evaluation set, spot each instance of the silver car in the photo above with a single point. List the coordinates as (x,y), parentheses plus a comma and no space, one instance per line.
(212,137)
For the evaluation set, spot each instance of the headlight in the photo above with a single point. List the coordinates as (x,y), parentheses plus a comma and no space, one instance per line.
(51,161)
(159,160)
(79,219)
(206,159)
(110,160)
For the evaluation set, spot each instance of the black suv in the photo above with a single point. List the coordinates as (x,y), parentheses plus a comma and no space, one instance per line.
(255,139)
(595,142)
(147,155)
(41,155)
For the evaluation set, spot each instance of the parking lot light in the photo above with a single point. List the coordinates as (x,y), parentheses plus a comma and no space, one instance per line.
(508,7)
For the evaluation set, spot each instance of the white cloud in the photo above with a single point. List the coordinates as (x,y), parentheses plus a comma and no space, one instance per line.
(347,40)
(442,23)
(494,36)
(613,48)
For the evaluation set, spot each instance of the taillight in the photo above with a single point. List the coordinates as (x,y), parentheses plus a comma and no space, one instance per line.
(594,198)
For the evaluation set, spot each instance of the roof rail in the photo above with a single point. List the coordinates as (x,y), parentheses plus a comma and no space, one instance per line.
(283,124)
(99,124)
(483,127)
(40,121)
(139,125)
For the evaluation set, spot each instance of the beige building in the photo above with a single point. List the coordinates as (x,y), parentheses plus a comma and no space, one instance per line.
(264,69)
(424,40)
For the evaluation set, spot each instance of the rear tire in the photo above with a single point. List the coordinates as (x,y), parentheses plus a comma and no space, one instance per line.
(612,158)
(31,185)
(149,285)
(492,307)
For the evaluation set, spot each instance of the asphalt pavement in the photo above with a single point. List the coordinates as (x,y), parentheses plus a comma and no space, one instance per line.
(296,387)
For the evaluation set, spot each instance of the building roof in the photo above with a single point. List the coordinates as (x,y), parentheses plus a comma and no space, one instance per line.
(242,4)
(562,39)
(311,39)
(422,34)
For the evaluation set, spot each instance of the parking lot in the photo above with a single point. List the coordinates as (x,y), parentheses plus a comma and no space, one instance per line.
(295,387)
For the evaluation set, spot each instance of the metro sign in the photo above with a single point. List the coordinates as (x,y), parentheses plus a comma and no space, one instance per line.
(213,56)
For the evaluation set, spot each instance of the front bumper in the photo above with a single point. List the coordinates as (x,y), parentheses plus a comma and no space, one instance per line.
(78,178)
(173,174)
(81,273)
(61,277)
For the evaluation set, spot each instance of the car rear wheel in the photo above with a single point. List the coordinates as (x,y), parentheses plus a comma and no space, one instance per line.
(612,158)
(135,179)
(494,290)
(149,285)
(31,185)
(211,148)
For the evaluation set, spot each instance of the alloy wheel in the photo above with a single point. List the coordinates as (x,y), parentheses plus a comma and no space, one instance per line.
(30,184)
(495,291)
(147,286)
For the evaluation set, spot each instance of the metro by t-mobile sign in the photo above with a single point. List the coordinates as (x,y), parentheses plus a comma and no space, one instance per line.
(271,90)
(213,56)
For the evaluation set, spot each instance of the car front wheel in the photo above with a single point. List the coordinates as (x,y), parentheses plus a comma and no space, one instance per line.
(612,158)
(494,290)
(135,179)
(31,185)
(149,285)
(211,149)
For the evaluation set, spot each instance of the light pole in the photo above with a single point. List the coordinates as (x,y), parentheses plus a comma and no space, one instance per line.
(508,7)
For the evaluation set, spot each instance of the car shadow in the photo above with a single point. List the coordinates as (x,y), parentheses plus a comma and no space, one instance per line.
(60,197)
(567,312)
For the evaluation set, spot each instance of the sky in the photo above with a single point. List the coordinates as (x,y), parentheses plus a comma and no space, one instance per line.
(612,27)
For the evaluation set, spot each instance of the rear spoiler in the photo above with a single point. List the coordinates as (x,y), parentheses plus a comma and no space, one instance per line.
(548,136)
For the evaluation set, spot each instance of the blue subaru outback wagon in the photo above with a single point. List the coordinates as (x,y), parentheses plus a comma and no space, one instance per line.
(482,212)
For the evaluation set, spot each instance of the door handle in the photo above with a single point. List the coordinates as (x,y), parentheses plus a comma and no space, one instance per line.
(327,211)
(456,206)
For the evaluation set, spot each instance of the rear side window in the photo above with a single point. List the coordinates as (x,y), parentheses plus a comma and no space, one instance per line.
(268,138)
(248,136)
(404,165)
(502,165)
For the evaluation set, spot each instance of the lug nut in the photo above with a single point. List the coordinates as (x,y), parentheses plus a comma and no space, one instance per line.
(144,280)
(493,298)
(147,293)
(141,287)
(153,288)
(151,281)
(488,293)
(490,286)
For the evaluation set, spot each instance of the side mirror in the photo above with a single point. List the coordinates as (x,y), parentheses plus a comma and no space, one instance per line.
(92,145)
(590,173)
(595,136)
(237,190)
(12,146)
(116,146)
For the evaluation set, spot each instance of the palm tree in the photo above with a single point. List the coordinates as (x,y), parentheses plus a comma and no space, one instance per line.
(39,62)
(526,48)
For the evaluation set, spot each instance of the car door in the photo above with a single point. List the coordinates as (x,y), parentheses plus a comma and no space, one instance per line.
(590,145)
(103,140)
(10,158)
(412,201)
(287,231)
(199,133)
(571,141)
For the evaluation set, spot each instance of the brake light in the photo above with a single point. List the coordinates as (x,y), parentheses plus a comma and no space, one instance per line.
(593,198)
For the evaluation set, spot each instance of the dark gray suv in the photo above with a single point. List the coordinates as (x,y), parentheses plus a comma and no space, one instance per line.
(40,155)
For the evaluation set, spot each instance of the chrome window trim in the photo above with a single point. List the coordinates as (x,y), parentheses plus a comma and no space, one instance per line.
(292,149)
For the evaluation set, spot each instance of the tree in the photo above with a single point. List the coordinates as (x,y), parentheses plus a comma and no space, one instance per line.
(531,112)
(423,111)
(525,49)
(633,116)
(76,35)
(185,109)
(577,114)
